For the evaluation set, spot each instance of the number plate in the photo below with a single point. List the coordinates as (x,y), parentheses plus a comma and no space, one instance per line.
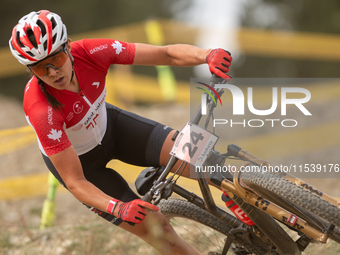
(193,144)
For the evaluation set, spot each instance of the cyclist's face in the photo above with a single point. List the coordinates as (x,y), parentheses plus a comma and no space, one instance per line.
(59,78)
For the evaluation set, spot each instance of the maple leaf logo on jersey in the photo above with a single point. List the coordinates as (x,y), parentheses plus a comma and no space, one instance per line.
(55,135)
(118,47)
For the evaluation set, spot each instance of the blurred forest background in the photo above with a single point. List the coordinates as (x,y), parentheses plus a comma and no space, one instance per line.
(310,16)
(267,39)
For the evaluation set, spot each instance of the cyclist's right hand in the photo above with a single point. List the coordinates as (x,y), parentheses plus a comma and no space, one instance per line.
(219,61)
(135,210)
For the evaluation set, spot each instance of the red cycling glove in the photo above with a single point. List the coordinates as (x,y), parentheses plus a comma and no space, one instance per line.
(219,61)
(135,210)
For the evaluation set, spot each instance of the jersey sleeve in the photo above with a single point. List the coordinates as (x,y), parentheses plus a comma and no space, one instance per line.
(48,126)
(105,52)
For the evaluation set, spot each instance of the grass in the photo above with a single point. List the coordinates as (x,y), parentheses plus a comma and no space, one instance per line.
(97,237)
(5,241)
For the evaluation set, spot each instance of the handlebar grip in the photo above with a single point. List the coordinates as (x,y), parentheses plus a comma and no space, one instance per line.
(214,76)
(147,197)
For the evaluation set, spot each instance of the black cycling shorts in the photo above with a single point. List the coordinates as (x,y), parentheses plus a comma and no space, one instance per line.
(130,138)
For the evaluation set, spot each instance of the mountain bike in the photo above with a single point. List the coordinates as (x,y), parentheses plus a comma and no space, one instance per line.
(275,201)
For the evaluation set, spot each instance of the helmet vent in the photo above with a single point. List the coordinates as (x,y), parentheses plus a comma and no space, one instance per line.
(54,37)
(29,53)
(62,34)
(42,27)
(31,37)
(54,23)
(18,40)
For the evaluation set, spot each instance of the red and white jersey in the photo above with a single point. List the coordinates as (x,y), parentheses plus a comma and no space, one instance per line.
(82,120)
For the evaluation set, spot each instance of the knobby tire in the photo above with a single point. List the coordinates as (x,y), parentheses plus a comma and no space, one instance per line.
(180,209)
(293,193)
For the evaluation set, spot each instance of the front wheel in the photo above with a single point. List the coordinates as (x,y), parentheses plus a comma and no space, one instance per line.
(203,230)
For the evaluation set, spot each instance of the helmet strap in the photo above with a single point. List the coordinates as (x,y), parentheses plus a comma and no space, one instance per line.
(72,75)
(72,60)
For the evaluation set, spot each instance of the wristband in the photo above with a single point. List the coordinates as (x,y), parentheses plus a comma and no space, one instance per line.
(112,205)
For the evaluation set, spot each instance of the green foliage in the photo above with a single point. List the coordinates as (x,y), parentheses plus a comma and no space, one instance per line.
(310,16)
(304,15)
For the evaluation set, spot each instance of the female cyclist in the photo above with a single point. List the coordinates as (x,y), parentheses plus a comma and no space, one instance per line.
(78,133)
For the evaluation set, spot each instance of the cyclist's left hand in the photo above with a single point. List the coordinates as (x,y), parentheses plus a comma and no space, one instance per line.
(219,61)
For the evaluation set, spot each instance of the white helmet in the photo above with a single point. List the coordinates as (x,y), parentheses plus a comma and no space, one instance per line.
(36,36)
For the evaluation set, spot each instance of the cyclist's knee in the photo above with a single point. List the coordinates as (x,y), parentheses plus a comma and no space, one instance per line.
(157,231)
(158,227)
(166,148)
(155,224)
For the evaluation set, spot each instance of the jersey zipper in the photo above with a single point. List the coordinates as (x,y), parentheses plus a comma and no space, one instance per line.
(95,128)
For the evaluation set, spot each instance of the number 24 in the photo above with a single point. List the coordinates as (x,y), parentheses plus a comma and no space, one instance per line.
(195,138)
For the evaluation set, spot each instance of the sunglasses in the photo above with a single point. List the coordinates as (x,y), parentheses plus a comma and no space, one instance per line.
(56,61)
